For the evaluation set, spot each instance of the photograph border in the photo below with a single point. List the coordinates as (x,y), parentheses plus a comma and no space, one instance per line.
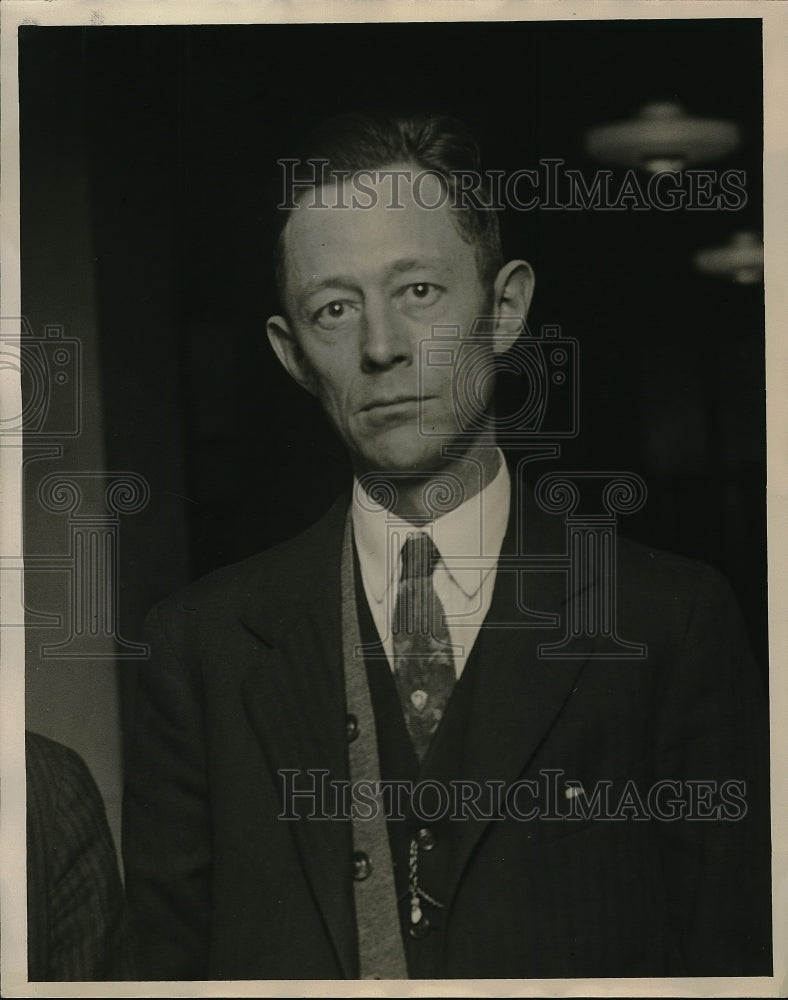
(13,974)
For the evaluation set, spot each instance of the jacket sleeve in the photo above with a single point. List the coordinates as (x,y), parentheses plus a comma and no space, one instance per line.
(712,735)
(166,827)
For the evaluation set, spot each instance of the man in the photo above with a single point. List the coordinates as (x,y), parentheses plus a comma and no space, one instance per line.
(353,754)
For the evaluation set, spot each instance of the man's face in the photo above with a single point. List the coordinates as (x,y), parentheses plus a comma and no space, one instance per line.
(364,288)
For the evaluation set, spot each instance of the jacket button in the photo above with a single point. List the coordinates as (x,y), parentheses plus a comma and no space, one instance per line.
(419,930)
(425,838)
(362,866)
(351,727)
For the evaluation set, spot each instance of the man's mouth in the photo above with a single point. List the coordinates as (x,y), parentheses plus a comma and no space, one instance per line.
(394,401)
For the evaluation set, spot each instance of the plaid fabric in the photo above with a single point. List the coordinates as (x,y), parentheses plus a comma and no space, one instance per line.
(76,921)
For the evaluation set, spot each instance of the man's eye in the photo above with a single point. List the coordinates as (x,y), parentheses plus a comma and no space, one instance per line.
(333,314)
(424,293)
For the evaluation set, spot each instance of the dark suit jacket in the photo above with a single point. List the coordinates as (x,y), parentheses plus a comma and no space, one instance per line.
(77,926)
(246,679)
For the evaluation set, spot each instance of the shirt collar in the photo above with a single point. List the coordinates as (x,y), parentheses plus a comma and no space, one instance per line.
(474,529)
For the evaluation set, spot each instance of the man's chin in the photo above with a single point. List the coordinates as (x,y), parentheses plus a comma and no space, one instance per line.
(401,457)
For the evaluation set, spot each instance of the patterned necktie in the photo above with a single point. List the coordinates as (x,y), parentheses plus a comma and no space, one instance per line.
(423,660)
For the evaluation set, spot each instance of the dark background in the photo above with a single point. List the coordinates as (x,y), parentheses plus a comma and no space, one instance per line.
(175,131)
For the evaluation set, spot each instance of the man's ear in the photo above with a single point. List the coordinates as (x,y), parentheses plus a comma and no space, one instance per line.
(514,288)
(289,353)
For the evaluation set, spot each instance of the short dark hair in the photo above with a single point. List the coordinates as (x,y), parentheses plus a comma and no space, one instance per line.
(439,143)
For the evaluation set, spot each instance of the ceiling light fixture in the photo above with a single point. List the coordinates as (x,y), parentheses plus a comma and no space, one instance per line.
(739,260)
(662,137)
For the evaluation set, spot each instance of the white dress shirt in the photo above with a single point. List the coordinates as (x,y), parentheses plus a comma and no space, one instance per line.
(468,539)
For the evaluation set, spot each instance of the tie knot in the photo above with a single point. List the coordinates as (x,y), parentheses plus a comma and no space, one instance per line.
(419,557)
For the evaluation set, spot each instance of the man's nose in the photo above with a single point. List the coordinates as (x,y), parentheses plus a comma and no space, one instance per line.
(385,339)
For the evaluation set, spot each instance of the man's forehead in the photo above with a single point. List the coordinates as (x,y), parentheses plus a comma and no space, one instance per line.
(344,223)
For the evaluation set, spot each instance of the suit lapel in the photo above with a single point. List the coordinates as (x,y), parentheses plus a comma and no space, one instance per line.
(295,693)
(517,695)
(294,697)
